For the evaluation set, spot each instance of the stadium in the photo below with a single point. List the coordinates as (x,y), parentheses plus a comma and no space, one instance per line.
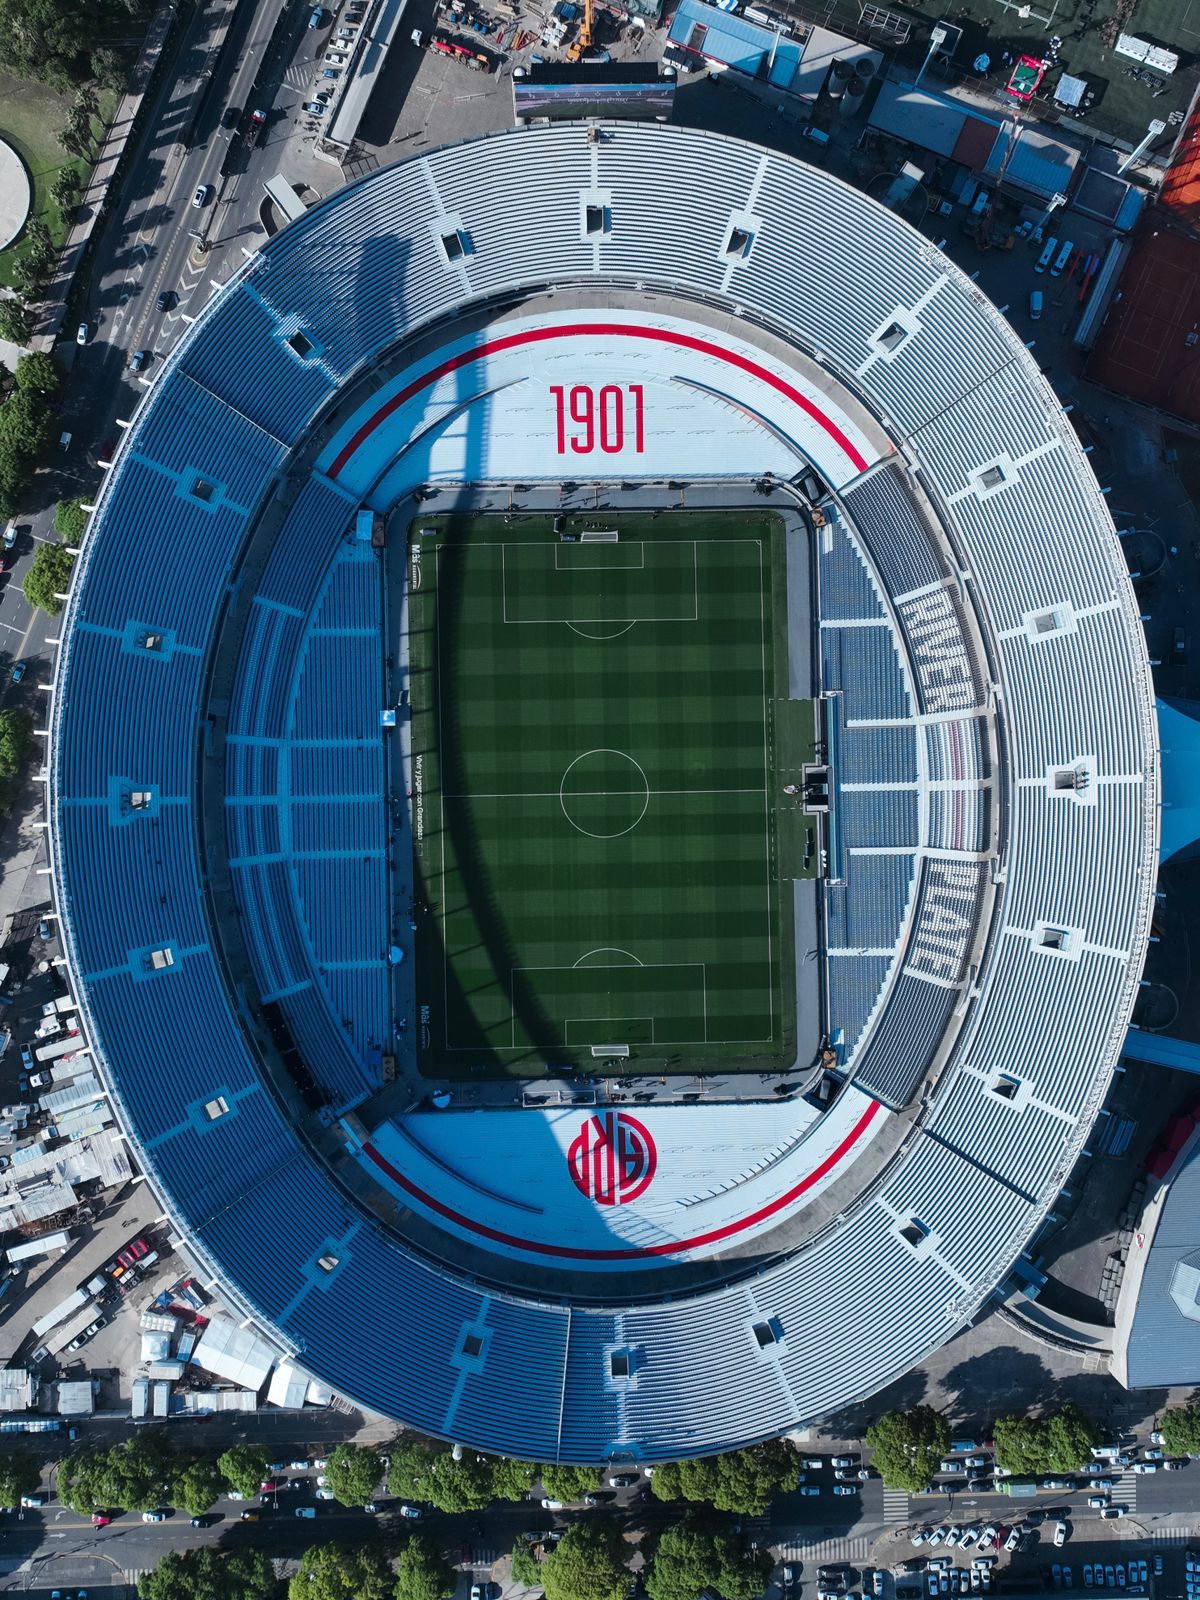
(603,793)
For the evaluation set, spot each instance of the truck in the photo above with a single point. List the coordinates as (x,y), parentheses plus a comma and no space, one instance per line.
(71,1329)
(60,1312)
(39,1247)
(1018,1488)
(67,1045)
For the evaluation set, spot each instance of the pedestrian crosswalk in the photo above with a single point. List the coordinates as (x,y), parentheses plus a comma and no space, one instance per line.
(801,1548)
(1172,1535)
(895,1506)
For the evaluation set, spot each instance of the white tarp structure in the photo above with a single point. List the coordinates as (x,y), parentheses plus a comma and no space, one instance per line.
(156,1346)
(292,1388)
(200,1401)
(76,1400)
(18,1389)
(239,1355)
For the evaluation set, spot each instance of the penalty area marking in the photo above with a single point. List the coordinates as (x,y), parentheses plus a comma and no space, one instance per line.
(543,622)
(624,966)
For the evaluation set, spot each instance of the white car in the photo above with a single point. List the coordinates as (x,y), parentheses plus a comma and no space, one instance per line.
(83,333)
(1111,1512)
(335,58)
(328,1494)
(937,1536)
(322,1480)
(954,1534)
(1060,1533)
(553,1505)
(1153,1455)
(987,1537)
(297,1466)
(413,1513)
(1156,1437)
(1145,1466)
(969,1536)
(920,1537)
(1014,1538)
(1097,1502)
(320,1463)
(845,1461)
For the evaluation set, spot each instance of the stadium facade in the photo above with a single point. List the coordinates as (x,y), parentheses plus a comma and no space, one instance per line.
(581,1278)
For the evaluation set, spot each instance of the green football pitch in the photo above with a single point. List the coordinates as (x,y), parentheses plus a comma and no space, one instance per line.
(595,793)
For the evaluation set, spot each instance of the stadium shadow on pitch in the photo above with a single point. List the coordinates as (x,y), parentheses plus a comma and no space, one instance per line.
(458,823)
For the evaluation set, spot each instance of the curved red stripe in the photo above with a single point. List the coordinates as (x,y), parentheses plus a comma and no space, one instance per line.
(510,341)
(582,1253)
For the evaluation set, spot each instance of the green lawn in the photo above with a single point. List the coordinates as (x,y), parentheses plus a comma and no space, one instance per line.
(30,116)
(596,794)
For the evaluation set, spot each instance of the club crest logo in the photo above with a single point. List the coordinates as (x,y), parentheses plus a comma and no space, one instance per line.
(612,1159)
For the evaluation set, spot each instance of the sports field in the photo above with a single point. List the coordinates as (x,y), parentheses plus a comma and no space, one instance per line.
(595,791)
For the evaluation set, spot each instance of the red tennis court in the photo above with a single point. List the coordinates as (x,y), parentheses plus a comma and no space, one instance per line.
(1149,346)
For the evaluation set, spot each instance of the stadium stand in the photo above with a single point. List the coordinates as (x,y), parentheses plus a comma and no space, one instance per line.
(1048,931)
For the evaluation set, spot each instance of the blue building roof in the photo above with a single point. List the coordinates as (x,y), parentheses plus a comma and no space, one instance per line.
(733,42)
(1179,737)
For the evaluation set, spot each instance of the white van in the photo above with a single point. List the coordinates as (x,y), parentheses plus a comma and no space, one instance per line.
(1047,255)
(1035,305)
(1064,255)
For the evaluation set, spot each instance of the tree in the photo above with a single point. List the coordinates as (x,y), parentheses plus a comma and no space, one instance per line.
(512,1479)
(64,191)
(525,1569)
(1019,1444)
(906,1447)
(85,99)
(16,735)
(16,322)
(18,1470)
(38,373)
(1070,1435)
(205,1574)
(30,273)
(198,1485)
(419,1472)
(337,1572)
(79,124)
(44,39)
(1033,1445)
(587,1563)
(71,139)
(46,579)
(244,1467)
(693,1554)
(744,1480)
(108,69)
(354,1473)
(423,1573)
(70,520)
(1180,1427)
(133,1476)
(567,1482)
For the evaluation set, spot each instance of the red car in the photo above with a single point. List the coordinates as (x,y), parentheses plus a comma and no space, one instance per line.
(100,1519)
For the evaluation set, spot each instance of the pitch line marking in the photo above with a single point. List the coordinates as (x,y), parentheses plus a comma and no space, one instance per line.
(606,949)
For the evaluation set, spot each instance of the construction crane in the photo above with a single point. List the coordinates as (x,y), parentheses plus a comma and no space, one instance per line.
(584,42)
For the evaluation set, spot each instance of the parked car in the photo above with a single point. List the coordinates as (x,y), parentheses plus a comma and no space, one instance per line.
(100,1519)
(553,1505)
(138,360)
(624,1480)
(810,1489)
(328,1494)
(413,1513)
(83,333)
(318,17)
(314,108)
(306,1511)
(157,1516)
(1110,1513)
(845,1488)
(299,1465)
(1097,1502)
(19,669)
(1013,1540)
(1060,1534)
(845,1461)
(251,1516)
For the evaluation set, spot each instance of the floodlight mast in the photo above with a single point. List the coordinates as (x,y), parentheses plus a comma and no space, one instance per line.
(936,40)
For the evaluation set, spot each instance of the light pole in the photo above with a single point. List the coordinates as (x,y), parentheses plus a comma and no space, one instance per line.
(936,40)
(1152,132)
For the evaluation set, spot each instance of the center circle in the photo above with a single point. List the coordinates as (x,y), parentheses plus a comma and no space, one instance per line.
(604,793)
